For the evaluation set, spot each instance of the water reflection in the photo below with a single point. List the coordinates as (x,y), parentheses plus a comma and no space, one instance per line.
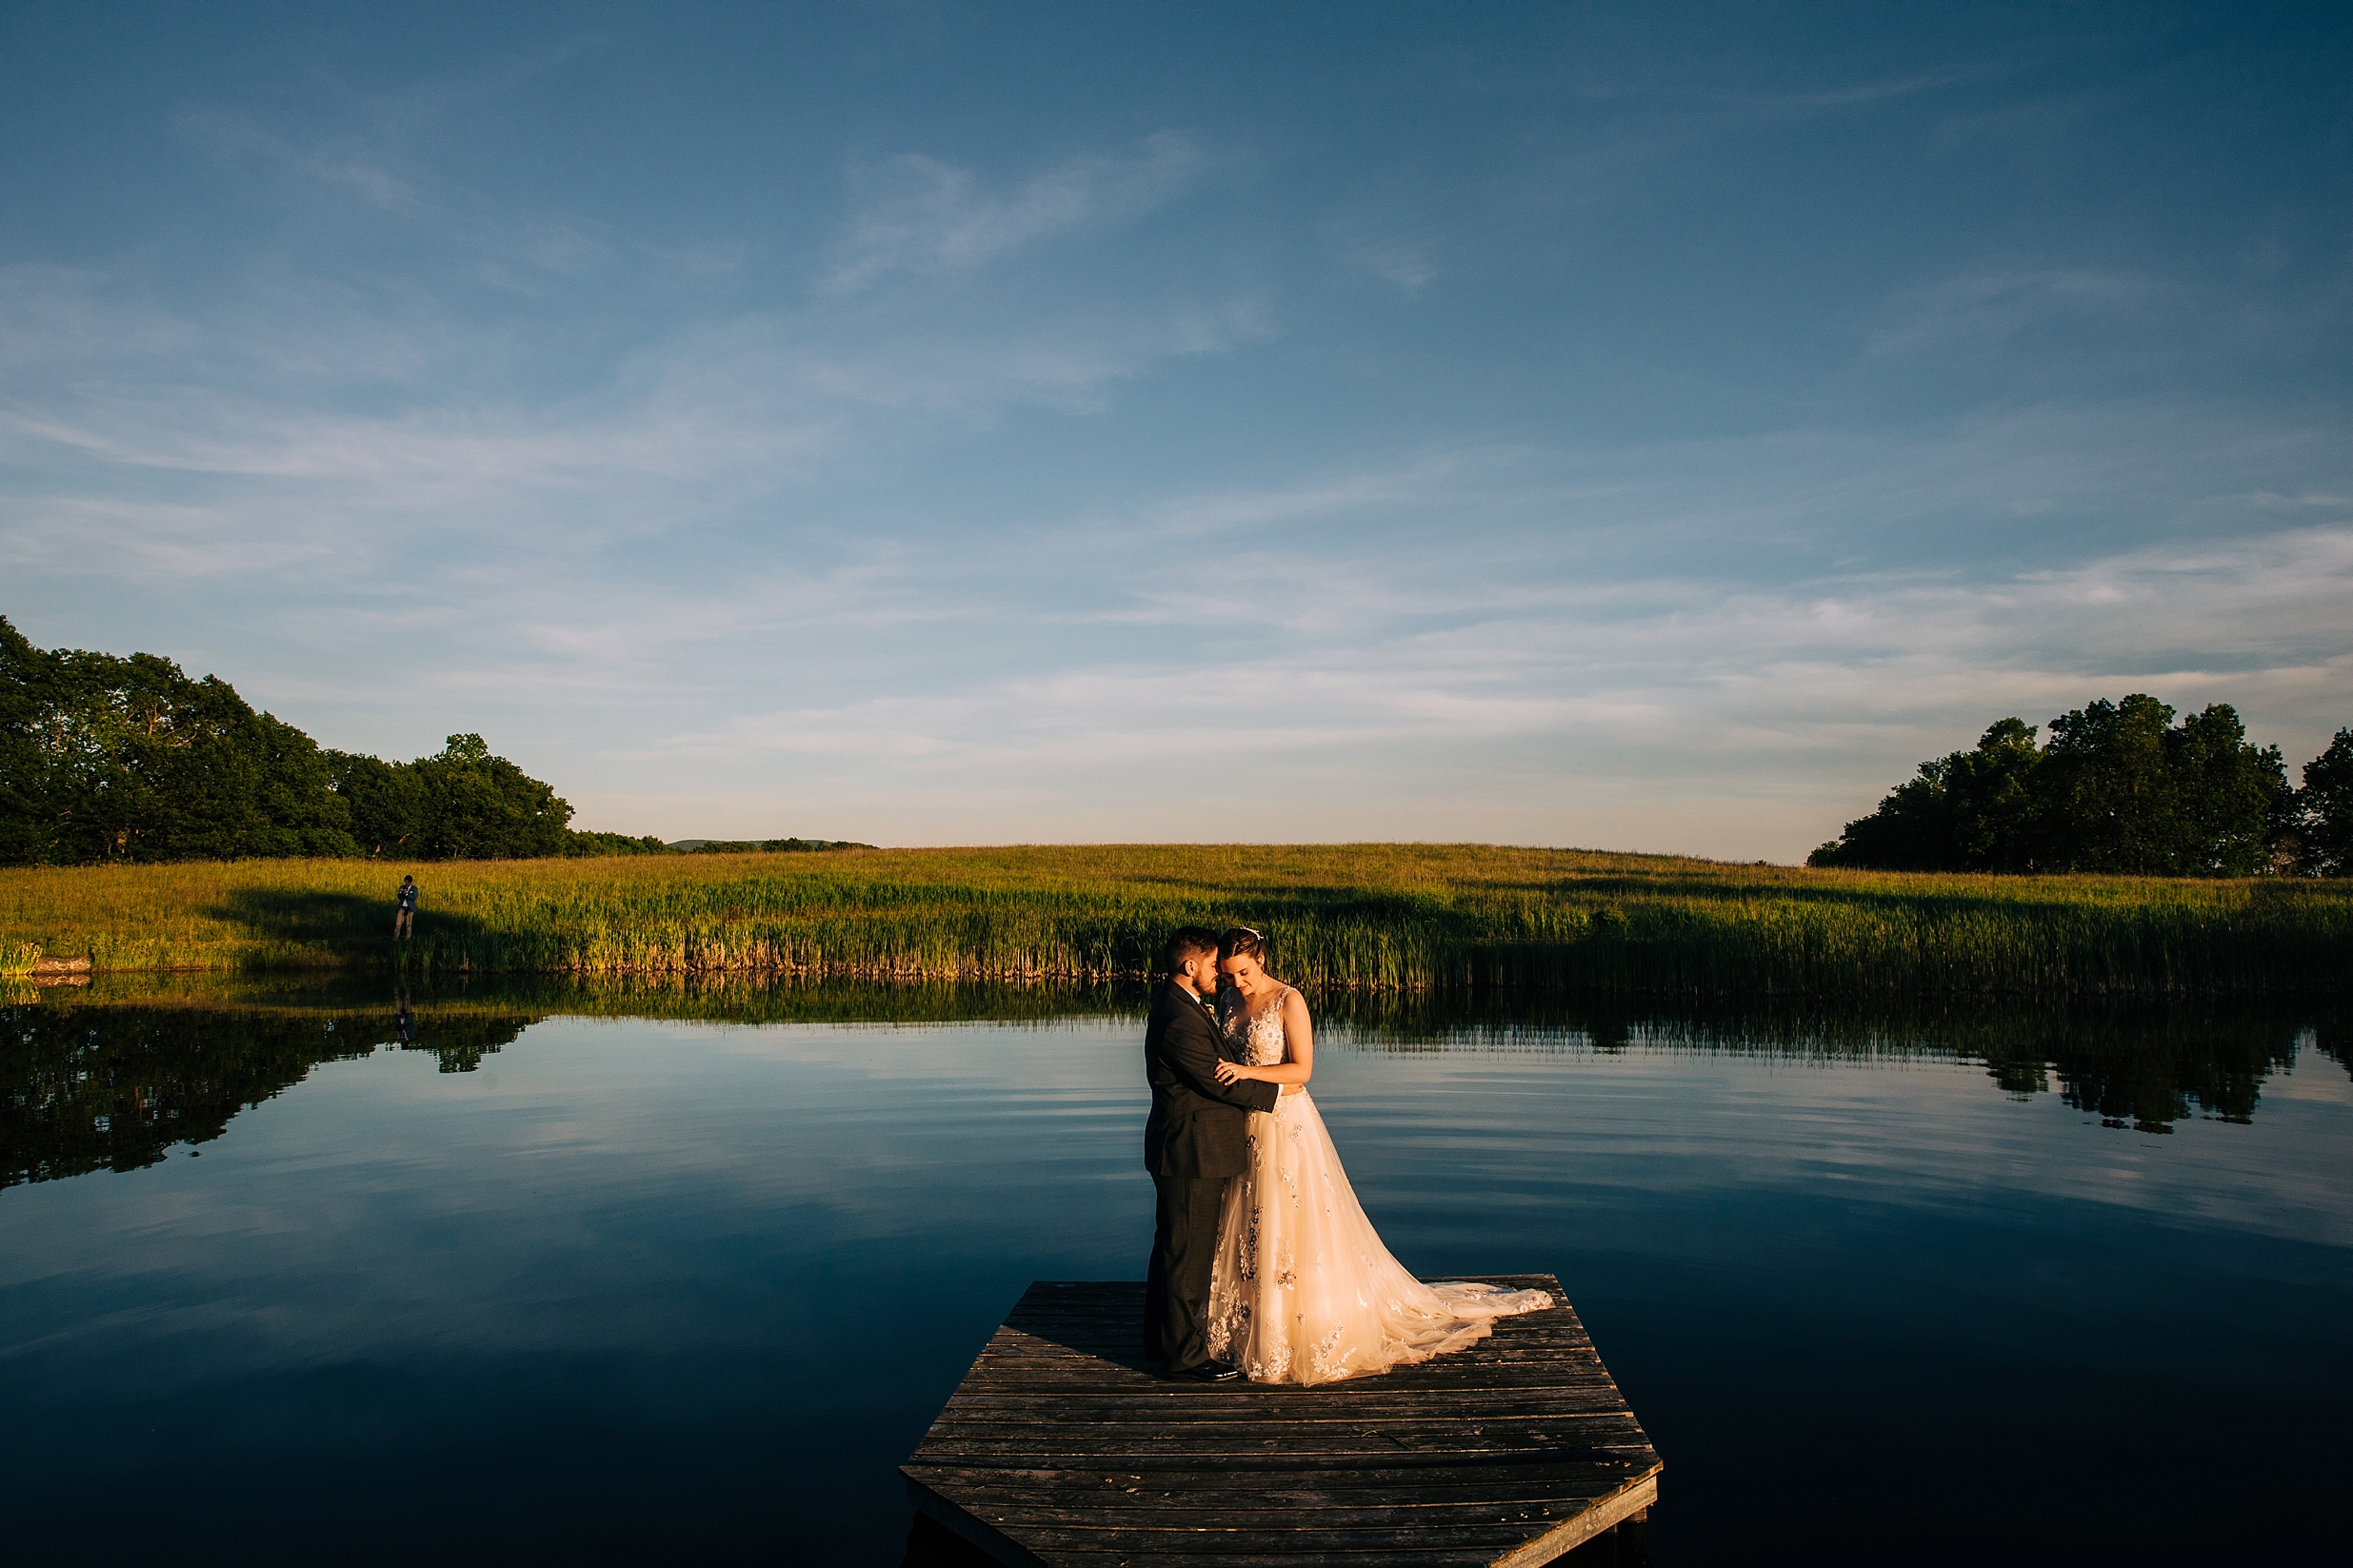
(689,1288)
(115,1088)
(2132,1065)
(108,1080)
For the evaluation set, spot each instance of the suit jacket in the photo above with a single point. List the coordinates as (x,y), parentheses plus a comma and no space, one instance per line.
(1198,1127)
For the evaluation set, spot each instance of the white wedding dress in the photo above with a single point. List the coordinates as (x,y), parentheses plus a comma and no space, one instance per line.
(1302,1290)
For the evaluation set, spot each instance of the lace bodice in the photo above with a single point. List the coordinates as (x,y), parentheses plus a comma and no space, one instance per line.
(1262,1041)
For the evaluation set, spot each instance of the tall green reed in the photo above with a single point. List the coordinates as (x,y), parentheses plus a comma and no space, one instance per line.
(1367,918)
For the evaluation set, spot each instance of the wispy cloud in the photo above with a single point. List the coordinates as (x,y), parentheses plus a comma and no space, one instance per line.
(1400,259)
(927,218)
(1685,688)
(338,160)
(1986,307)
(1052,475)
(2038,121)
(319,403)
(1877,90)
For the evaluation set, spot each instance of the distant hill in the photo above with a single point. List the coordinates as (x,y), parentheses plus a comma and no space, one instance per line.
(757,846)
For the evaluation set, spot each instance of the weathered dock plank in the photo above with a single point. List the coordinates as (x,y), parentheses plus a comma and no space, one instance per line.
(1061,1447)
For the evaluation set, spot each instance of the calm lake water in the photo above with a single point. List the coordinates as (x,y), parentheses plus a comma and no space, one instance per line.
(497,1283)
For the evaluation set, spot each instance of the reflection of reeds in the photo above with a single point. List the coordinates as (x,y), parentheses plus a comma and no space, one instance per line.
(728,999)
(1367,918)
(2133,1063)
(2141,1065)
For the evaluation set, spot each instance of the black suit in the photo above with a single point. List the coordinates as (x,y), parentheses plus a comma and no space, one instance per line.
(1195,1141)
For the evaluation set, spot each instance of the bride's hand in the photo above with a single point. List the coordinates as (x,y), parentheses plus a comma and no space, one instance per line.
(1231,1072)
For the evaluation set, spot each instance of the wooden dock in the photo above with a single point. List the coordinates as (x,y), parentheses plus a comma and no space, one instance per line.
(1062,1447)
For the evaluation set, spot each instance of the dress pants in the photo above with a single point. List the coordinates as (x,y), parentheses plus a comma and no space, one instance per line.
(1176,1286)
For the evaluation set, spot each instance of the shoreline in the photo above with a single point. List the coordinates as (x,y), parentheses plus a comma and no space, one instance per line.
(1373,919)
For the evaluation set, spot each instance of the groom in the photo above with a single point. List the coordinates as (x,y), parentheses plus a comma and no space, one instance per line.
(1194,1142)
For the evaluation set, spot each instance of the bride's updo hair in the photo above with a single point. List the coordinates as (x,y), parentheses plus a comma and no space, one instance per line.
(1241,940)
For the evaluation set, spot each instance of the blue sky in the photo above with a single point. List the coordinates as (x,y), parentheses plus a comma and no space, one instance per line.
(1634,426)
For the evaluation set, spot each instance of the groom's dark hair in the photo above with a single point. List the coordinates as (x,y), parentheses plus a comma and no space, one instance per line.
(1188,942)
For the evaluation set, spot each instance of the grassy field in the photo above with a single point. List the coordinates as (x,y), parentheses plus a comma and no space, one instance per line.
(1362,917)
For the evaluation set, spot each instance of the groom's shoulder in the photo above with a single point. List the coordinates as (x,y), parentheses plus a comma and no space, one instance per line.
(1172,1004)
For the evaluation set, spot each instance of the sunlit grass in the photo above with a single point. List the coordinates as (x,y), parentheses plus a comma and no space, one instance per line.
(1349,916)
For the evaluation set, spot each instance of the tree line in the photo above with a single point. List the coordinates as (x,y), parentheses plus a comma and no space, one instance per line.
(107,759)
(2117,787)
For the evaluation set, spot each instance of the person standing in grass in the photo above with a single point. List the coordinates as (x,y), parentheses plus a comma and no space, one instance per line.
(405,910)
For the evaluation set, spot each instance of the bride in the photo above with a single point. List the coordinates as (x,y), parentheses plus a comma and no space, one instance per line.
(1303,1291)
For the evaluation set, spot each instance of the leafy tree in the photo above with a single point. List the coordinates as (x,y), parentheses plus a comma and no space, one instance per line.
(130,760)
(1991,795)
(582,846)
(2234,801)
(462,804)
(485,807)
(2106,800)
(25,805)
(385,801)
(1966,811)
(110,759)
(2120,787)
(1911,831)
(2124,791)
(2325,809)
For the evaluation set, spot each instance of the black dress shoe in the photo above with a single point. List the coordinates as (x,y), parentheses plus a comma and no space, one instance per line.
(1209,1372)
